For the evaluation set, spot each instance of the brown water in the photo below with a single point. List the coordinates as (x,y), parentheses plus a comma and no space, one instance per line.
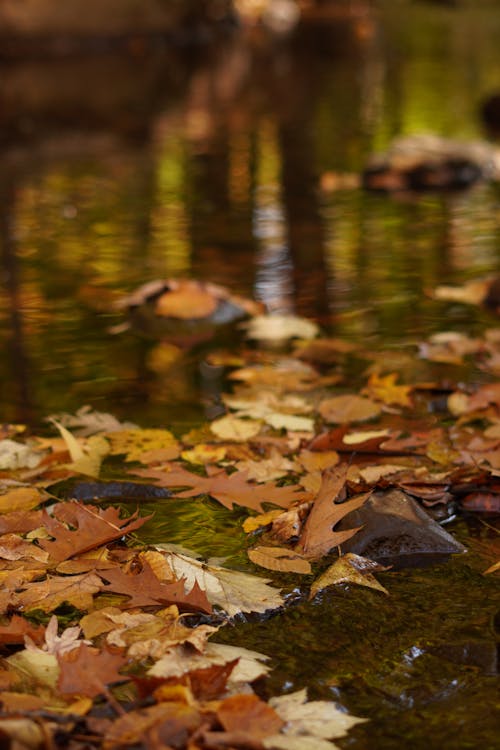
(120,169)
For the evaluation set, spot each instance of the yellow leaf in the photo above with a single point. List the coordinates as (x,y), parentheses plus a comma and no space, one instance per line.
(349,568)
(252,523)
(280,559)
(135,443)
(233,428)
(19,498)
(383,388)
(204,453)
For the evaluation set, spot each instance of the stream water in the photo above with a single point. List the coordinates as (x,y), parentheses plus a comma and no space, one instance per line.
(122,168)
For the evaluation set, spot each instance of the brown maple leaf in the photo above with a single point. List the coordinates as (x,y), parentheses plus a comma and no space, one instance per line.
(87,671)
(90,527)
(229,490)
(318,536)
(145,590)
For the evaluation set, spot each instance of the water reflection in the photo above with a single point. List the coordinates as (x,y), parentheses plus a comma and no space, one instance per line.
(208,164)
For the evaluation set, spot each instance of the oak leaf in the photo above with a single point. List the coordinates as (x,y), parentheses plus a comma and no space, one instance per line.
(229,490)
(318,537)
(90,527)
(145,590)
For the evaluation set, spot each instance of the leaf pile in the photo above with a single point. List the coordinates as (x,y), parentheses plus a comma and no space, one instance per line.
(93,616)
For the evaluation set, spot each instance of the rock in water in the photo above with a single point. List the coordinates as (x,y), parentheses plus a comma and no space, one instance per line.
(398,532)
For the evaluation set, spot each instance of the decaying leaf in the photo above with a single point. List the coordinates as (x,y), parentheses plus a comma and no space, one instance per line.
(349,568)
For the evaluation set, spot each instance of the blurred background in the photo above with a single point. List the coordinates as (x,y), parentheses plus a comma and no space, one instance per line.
(146,139)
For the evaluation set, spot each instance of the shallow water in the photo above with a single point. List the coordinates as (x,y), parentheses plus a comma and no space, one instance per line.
(211,167)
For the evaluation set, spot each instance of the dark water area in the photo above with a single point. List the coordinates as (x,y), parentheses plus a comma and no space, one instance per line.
(209,161)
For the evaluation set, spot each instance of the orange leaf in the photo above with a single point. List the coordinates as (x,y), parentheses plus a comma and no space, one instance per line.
(248,714)
(88,671)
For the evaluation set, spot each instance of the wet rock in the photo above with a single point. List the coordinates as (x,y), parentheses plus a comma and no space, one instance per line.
(427,162)
(184,311)
(490,113)
(398,532)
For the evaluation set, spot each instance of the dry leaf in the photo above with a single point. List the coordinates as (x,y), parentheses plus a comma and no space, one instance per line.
(348,408)
(280,559)
(234,428)
(19,498)
(137,445)
(349,568)
(318,537)
(232,590)
(279,327)
(383,388)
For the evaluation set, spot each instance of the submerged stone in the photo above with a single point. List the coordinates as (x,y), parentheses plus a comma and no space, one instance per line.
(397,531)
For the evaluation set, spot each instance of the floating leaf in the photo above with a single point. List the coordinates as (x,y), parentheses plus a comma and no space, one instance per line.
(349,568)
(348,408)
(279,327)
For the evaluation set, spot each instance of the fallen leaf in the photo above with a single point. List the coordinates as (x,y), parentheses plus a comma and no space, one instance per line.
(349,568)
(280,559)
(232,590)
(267,469)
(320,720)
(234,428)
(383,388)
(348,408)
(87,671)
(279,327)
(229,490)
(205,453)
(51,593)
(87,421)
(141,445)
(318,537)
(252,523)
(177,662)
(250,715)
(20,498)
(77,528)
(17,628)
(14,455)
(144,589)
(163,723)
(316,460)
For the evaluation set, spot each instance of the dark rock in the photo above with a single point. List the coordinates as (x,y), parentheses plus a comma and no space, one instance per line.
(398,532)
